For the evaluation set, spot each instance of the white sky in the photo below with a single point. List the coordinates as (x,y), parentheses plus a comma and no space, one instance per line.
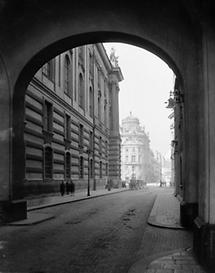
(144,91)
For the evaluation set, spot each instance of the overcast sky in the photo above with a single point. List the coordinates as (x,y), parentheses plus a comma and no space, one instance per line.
(144,91)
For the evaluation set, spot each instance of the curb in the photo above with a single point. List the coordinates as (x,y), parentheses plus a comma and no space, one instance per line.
(71,201)
(32,219)
(152,221)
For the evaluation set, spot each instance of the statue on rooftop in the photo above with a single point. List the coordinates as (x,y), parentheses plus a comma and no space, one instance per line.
(114,58)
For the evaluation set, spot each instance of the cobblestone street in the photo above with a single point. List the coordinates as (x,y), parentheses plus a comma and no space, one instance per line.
(95,235)
(179,262)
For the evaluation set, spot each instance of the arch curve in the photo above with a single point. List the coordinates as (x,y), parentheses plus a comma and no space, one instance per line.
(73,41)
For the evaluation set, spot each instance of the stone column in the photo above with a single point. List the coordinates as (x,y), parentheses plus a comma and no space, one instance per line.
(9,208)
(115,141)
(204,232)
(189,141)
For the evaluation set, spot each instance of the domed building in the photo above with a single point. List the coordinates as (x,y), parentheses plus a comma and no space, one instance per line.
(137,159)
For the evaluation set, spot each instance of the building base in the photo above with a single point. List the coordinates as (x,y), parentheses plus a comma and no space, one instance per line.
(204,243)
(13,211)
(188,213)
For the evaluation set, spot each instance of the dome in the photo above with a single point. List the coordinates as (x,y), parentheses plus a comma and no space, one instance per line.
(130,120)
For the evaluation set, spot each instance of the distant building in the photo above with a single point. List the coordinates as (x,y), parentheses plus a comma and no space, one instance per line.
(137,158)
(72,122)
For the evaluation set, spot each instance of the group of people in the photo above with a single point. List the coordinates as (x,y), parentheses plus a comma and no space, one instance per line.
(136,184)
(162,183)
(109,184)
(68,187)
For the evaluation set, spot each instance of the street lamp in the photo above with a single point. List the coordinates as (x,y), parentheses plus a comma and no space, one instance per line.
(88,151)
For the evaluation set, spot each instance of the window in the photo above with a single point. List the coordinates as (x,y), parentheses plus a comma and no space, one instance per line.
(91,168)
(67,165)
(81,167)
(48,163)
(81,54)
(91,68)
(126,158)
(91,141)
(91,102)
(105,113)
(106,148)
(99,105)
(99,78)
(133,158)
(48,69)
(81,135)
(100,169)
(67,127)
(100,145)
(67,76)
(48,116)
(106,169)
(110,117)
(81,91)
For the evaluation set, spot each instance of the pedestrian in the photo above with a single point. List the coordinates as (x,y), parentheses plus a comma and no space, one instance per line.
(72,187)
(62,188)
(67,187)
(109,184)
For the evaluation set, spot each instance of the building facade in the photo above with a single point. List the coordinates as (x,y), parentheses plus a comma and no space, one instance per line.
(71,122)
(138,160)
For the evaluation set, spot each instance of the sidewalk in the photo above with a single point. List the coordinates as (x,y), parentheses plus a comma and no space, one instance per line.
(40,203)
(166,211)
(34,206)
(166,214)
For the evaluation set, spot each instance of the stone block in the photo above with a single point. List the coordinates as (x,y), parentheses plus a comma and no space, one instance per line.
(13,210)
(188,212)
(204,243)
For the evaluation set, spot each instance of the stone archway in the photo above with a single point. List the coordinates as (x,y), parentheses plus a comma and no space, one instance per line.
(31,68)
(180,32)
(165,29)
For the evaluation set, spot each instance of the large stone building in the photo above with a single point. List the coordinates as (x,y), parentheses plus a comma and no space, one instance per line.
(138,160)
(71,122)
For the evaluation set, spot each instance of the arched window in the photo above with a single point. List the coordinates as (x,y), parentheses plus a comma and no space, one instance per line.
(81,167)
(105,113)
(67,76)
(48,163)
(48,69)
(48,116)
(100,145)
(67,165)
(81,54)
(91,102)
(100,169)
(106,169)
(99,105)
(81,91)
(91,168)
(91,65)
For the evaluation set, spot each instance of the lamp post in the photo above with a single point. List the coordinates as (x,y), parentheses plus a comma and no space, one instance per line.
(88,181)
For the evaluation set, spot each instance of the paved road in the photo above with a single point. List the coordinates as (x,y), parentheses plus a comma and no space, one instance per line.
(97,235)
